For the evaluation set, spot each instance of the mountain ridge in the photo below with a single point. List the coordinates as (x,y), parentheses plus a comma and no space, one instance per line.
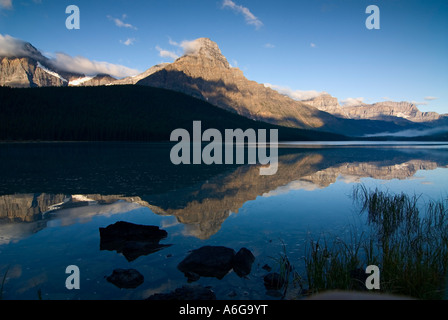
(385,110)
(203,72)
(28,67)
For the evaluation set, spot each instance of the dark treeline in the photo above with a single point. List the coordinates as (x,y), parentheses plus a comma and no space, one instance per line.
(117,113)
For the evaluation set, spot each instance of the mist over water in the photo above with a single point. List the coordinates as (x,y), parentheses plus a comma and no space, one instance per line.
(410,133)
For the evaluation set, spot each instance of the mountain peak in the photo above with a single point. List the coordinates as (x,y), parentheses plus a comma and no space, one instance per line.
(205,48)
(14,48)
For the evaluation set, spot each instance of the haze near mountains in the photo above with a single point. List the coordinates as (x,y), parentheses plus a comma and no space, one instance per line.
(203,72)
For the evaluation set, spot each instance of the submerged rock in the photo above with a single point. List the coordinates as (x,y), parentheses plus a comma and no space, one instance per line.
(131,232)
(216,261)
(132,240)
(208,261)
(242,262)
(126,278)
(266,267)
(186,293)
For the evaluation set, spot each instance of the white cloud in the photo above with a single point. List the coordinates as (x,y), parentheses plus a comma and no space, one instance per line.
(166,53)
(10,46)
(430,98)
(13,47)
(128,41)
(422,103)
(293,185)
(269,46)
(81,64)
(299,95)
(349,102)
(120,23)
(248,15)
(190,47)
(234,64)
(5,4)
(173,43)
(184,47)
(312,45)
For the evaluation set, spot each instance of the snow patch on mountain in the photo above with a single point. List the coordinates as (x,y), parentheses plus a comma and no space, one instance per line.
(79,81)
(54,74)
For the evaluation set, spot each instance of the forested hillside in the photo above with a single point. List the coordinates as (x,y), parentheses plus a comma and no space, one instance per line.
(118,113)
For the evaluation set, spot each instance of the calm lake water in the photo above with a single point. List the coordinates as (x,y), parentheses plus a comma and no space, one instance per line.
(54,197)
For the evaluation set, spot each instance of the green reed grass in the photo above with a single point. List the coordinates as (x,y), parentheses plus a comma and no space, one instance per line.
(287,272)
(410,246)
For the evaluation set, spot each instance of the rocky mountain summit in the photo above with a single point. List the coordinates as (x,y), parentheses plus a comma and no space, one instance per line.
(327,103)
(203,72)
(386,111)
(26,72)
(98,80)
(137,78)
(29,68)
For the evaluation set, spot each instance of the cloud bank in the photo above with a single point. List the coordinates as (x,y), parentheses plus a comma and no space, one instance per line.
(13,47)
(349,102)
(166,53)
(189,47)
(295,94)
(183,48)
(89,67)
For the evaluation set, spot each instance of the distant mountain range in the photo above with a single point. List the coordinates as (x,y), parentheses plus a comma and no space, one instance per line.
(204,73)
(387,110)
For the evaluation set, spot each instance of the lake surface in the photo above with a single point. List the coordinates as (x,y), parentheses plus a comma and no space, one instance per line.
(54,197)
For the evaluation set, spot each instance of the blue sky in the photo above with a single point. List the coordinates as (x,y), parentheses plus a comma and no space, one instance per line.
(300,47)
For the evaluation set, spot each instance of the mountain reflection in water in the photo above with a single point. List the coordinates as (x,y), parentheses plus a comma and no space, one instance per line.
(75,182)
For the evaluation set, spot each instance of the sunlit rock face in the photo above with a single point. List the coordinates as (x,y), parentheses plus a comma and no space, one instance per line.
(387,110)
(205,73)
